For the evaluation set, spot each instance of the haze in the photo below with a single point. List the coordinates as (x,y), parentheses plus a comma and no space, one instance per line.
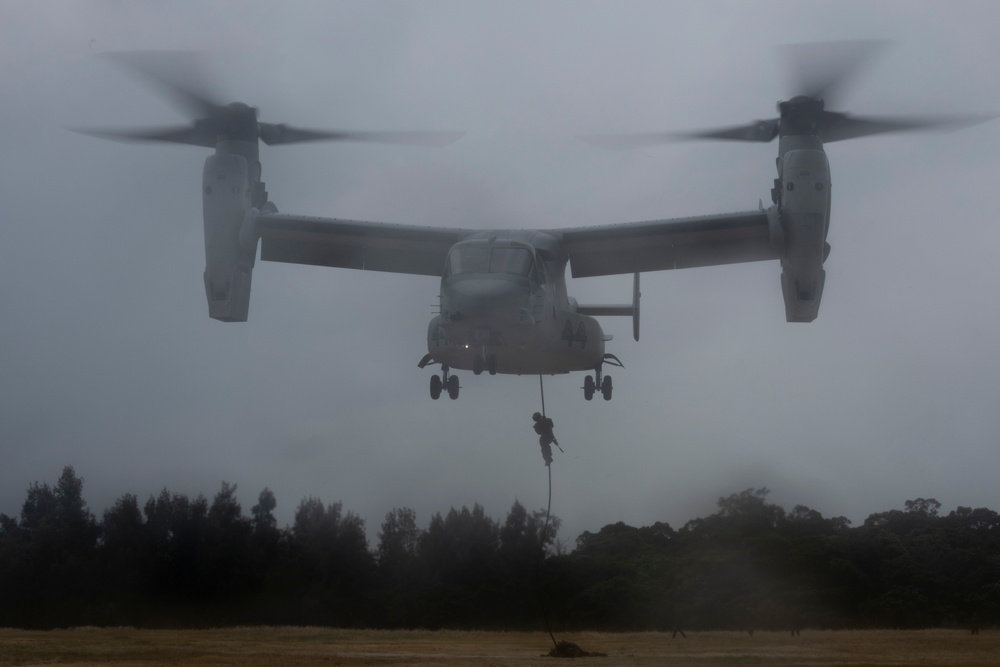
(110,363)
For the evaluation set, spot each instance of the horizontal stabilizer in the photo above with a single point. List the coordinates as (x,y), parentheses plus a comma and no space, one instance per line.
(603,309)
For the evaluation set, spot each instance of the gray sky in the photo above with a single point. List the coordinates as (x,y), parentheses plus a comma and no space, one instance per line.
(110,363)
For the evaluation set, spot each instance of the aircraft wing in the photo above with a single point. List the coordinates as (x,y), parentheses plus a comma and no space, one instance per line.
(354,244)
(657,245)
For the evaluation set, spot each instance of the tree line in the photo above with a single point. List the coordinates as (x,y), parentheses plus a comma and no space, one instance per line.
(175,561)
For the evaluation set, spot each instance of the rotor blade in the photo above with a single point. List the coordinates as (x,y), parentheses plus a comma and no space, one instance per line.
(628,141)
(820,70)
(181,76)
(191,135)
(839,126)
(275,134)
(762,131)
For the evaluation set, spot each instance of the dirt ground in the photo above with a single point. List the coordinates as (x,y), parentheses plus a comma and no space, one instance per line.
(318,646)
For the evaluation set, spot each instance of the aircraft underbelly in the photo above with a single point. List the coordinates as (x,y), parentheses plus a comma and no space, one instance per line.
(571,343)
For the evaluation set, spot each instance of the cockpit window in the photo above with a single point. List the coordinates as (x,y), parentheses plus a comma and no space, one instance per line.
(474,258)
(469,259)
(511,260)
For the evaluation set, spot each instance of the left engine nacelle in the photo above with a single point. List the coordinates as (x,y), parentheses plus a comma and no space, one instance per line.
(230,238)
(805,219)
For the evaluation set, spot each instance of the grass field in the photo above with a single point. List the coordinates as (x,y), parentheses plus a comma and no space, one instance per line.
(318,646)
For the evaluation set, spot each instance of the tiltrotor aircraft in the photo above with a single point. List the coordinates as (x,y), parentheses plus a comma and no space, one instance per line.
(504,307)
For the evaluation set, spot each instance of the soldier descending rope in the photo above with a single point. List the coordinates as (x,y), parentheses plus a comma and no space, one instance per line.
(543,427)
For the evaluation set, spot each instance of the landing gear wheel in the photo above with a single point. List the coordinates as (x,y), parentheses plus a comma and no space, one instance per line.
(606,387)
(452,387)
(492,364)
(588,387)
(436,386)
(477,365)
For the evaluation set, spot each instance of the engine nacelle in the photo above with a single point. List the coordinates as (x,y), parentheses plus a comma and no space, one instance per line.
(805,219)
(230,239)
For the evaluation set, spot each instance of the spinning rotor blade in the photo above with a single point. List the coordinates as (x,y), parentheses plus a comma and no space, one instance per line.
(182,78)
(628,141)
(763,131)
(820,70)
(276,134)
(192,136)
(838,126)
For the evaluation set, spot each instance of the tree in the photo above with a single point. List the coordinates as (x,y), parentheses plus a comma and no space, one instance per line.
(124,554)
(751,507)
(225,568)
(178,561)
(401,585)
(56,560)
(625,577)
(398,541)
(519,535)
(263,513)
(458,555)
(332,562)
(927,507)
(267,538)
(13,567)
(176,527)
(462,545)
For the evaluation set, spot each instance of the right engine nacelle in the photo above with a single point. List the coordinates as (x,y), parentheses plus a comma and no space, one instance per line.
(230,239)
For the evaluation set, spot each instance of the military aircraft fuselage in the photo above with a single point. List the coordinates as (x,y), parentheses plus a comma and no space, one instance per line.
(504,309)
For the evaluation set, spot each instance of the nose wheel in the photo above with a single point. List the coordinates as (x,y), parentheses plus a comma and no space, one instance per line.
(484,361)
(444,382)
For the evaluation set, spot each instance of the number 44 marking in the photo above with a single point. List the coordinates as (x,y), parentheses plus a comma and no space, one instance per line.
(579,337)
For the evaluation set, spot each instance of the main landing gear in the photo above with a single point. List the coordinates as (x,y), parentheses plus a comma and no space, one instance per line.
(594,383)
(444,382)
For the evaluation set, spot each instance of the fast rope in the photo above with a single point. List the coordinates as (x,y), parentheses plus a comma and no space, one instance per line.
(562,649)
(538,569)
(541,389)
(541,545)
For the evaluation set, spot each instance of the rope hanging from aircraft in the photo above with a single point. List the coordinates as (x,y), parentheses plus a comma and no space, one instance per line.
(541,389)
(543,426)
(538,569)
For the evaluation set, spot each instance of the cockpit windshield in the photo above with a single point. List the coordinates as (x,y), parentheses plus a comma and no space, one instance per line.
(482,258)
(510,260)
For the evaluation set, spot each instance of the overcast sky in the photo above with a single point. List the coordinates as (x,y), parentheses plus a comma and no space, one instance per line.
(109,362)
